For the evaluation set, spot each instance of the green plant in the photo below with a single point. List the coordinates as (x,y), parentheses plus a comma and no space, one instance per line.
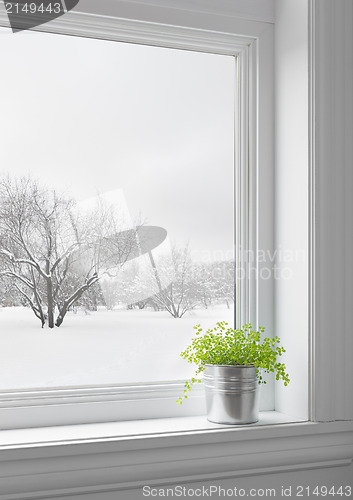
(222,345)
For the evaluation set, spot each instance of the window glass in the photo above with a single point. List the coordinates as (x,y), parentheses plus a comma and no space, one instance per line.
(116,208)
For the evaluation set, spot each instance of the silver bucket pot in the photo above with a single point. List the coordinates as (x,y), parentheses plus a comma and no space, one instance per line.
(232,394)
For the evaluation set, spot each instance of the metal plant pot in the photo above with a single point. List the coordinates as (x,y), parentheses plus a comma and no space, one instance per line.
(232,394)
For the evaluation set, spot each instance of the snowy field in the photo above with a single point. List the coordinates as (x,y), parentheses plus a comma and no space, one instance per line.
(103,347)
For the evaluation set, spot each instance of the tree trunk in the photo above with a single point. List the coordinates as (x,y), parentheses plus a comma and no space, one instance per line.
(38,301)
(50,300)
(60,318)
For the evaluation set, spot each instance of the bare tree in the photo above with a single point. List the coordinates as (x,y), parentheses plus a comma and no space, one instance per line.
(192,284)
(53,253)
(180,295)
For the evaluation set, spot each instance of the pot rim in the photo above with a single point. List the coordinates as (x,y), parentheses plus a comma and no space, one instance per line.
(232,366)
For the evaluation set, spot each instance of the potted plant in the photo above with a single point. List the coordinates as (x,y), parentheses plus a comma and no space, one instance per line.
(233,362)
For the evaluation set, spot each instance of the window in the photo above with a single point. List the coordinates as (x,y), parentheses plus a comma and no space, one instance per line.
(104,130)
(137,142)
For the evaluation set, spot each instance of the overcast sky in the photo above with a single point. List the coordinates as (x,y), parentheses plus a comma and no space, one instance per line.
(90,116)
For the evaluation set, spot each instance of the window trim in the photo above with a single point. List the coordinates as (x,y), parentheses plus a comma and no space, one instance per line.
(98,404)
(330,206)
(245,50)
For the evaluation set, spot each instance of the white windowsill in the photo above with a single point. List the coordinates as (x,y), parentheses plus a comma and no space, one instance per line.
(55,462)
(134,428)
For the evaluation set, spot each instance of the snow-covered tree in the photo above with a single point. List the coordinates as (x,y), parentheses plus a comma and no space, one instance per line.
(175,283)
(51,251)
(180,295)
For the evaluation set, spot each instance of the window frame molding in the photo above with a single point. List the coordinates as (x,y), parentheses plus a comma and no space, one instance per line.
(36,407)
(330,207)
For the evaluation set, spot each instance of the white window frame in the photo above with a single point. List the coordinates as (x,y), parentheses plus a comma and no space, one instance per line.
(35,468)
(33,408)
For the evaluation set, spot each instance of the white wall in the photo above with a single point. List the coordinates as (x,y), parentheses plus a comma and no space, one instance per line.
(291,215)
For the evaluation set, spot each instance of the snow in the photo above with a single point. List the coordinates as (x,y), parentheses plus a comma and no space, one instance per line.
(103,347)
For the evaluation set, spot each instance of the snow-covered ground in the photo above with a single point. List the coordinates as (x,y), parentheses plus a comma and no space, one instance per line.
(103,347)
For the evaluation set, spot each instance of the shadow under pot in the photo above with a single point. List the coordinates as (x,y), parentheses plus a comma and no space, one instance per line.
(232,394)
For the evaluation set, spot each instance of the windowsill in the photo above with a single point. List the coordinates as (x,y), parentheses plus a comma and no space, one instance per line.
(133,428)
(111,457)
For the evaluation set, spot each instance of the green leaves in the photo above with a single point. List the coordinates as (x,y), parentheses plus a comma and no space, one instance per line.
(222,345)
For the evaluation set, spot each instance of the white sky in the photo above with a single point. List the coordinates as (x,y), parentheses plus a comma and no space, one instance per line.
(91,116)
